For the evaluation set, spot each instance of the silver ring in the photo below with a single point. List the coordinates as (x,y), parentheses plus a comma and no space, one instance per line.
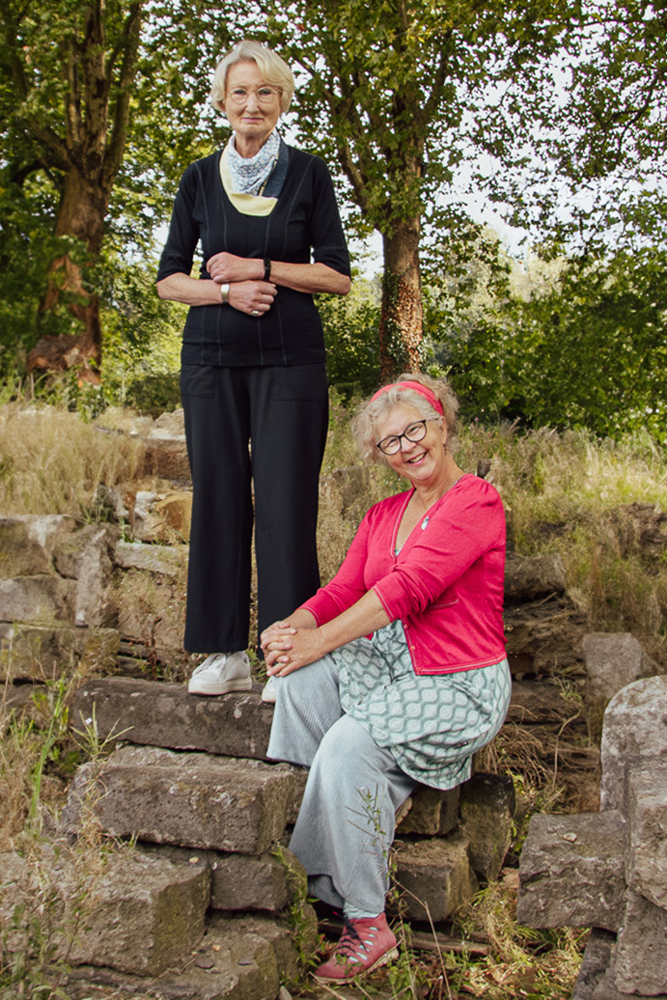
(255,312)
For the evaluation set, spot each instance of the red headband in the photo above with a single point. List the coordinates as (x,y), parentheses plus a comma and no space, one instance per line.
(423,390)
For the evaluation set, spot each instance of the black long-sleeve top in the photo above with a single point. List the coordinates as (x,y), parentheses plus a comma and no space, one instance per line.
(304,218)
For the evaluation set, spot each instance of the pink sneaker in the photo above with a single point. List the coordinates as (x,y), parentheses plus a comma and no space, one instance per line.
(365,944)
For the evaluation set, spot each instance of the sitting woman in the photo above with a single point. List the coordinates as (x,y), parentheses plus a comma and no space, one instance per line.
(394,673)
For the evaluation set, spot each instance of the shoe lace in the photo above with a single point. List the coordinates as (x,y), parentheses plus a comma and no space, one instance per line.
(351,943)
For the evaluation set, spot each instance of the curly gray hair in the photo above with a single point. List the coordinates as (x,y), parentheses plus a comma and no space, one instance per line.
(372,411)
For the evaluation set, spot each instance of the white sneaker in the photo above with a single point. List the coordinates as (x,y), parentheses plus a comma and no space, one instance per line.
(269,692)
(221,673)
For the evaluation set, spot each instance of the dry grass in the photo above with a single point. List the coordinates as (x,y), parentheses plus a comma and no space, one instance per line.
(523,962)
(51,462)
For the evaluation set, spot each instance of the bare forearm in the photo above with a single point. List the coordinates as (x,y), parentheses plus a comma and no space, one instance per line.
(302,618)
(292,647)
(366,616)
(311,278)
(191,291)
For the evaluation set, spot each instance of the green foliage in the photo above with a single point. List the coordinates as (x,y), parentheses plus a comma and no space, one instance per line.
(27,248)
(586,132)
(588,350)
(351,338)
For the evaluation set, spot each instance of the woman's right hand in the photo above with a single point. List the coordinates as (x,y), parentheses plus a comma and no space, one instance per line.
(252,297)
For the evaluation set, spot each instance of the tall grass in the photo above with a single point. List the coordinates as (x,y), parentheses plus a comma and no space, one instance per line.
(562,492)
(51,462)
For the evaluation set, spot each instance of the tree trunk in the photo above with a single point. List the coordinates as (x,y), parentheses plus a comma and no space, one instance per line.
(401,315)
(82,211)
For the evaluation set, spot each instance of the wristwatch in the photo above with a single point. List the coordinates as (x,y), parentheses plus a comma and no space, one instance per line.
(224,292)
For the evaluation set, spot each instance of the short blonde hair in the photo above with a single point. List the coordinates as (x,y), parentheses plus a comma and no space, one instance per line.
(372,411)
(273,68)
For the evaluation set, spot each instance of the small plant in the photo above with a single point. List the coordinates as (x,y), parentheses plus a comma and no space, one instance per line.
(304,936)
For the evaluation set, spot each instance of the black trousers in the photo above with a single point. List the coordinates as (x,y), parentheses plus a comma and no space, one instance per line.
(283,413)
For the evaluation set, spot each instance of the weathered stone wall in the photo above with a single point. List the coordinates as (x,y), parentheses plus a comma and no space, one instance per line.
(608,870)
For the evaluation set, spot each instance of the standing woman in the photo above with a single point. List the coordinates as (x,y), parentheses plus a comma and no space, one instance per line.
(253,361)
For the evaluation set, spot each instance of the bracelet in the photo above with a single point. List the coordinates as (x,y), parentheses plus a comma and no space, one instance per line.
(267,269)
(224,292)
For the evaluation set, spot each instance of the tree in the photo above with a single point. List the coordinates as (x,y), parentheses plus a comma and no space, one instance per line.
(80,85)
(75,66)
(390,89)
(588,135)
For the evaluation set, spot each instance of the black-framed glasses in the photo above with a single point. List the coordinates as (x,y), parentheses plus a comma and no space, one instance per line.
(413,432)
(265,95)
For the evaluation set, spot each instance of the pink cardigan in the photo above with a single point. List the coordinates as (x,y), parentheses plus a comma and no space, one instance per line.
(446,584)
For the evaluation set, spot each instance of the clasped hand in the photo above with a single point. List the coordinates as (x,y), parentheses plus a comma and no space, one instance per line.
(287,649)
(248,292)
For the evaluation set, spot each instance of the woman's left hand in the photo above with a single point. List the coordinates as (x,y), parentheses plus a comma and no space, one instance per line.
(289,650)
(224,267)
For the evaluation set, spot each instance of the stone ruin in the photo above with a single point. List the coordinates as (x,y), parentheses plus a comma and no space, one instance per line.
(210,904)
(608,870)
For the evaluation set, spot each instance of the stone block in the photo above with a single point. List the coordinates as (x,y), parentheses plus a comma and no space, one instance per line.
(238,959)
(175,510)
(434,876)
(595,964)
(27,541)
(165,561)
(430,812)
(647,808)
(153,713)
(487,809)
(150,610)
(162,518)
(450,810)
(85,556)
(612,660)
(538,703)
(641,950)
(424,814)
(165,454)
(240,882)
(32,652)
(18,698)
(125,911)
(41,599)
(300,775)
(186,799)
(527,577)
(572,871)
(634,733)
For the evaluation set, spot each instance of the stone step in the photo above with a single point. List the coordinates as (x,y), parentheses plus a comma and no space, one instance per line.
(434,876)
(241,883)
(152,713)
(185,799)
(238,959)
(126,910)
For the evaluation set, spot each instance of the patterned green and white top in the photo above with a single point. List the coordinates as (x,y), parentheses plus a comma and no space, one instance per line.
(432,725)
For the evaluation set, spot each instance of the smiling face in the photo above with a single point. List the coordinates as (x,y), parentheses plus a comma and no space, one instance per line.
(422,462)
(252,122)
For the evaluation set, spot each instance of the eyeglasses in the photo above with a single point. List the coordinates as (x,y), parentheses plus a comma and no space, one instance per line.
(264,95)
(413,432)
